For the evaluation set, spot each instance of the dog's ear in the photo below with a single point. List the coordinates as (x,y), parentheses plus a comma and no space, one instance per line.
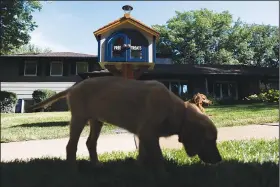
(197,99)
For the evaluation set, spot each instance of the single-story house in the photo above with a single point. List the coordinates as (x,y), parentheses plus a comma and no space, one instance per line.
(22,74)
(121,44)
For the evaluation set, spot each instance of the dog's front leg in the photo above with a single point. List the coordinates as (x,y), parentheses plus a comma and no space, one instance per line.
(95,128)
(150,154)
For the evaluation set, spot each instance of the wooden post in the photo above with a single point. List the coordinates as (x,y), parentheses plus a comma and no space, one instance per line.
(127,71)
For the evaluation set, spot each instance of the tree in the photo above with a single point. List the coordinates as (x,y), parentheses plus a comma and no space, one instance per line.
(195,37)
(256,45)
(17,22)
(206,37)
(265,44)
(31,49)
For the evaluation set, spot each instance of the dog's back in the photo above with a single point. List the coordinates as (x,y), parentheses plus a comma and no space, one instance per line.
(122,102)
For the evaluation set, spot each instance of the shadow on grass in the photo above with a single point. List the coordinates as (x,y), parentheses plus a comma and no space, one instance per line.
(44,124)
(55,172)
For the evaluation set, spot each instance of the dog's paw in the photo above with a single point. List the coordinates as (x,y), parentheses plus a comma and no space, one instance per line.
(98,164)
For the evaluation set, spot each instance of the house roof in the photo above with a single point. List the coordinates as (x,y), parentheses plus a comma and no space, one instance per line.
(214,69)
(126,19)
(52,54)
(184,69)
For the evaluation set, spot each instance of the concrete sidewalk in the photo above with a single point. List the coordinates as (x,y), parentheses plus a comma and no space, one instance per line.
(124,142)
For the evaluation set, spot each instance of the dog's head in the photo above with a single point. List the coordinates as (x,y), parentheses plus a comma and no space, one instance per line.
(198,135)
(201,99)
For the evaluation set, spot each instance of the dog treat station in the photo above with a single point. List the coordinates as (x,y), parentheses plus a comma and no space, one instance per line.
(126,47)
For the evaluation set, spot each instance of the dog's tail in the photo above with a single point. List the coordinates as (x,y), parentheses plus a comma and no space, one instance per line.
(50,100)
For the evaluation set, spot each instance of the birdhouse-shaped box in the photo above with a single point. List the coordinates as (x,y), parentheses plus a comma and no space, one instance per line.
(126,41)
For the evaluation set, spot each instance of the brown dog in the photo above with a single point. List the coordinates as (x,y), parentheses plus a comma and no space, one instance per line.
(199,99)
(146,108)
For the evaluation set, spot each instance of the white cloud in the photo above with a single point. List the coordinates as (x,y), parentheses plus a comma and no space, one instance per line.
(40,40)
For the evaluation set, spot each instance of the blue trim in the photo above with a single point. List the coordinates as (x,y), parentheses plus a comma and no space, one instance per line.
(99,55)
(109,47)
(154,49)
(127,58)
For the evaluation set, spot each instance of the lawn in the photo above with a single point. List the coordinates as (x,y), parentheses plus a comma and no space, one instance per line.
(50,125)
(251,163)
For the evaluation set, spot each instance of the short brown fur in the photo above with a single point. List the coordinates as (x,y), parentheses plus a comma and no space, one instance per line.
(200,99)
(146,108)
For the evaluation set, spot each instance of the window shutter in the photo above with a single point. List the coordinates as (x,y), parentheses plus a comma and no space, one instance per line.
(47,69)
(39,68)
(73,68)
(65,69)
(21,67)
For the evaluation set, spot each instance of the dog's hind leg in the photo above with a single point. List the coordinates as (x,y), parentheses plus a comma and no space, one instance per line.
(95,128)
(77,125)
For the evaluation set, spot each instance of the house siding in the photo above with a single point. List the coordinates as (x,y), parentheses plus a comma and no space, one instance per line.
(12,77)
(24,90)
(11,69)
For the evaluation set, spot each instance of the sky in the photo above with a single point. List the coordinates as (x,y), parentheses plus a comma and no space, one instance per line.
(68,26)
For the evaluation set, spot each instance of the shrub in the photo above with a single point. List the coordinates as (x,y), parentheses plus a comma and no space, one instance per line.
(269,96)
(224,101)
(8,101)
(41,95)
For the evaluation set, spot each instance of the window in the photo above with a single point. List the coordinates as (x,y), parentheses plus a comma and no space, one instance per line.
(225,90)
(217,90)
(270,84)
(118,50)
(174,87)
(177,87)
(232,90)
(56,68)
(30,68)
(81,67)
(135,50)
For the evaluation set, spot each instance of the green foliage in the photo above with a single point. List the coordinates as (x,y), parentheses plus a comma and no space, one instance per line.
(41,95)
(270,96)
(205,37)
(30,49)
(16,23)
(8,101)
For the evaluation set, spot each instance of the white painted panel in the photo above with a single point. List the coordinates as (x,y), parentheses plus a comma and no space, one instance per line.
(24,90)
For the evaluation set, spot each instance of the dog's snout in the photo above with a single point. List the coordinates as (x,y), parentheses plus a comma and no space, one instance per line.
(211,160)
(210,154)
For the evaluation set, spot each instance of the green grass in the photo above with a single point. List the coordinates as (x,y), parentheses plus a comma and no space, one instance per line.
(251,163)
(236,115)
(50,125)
